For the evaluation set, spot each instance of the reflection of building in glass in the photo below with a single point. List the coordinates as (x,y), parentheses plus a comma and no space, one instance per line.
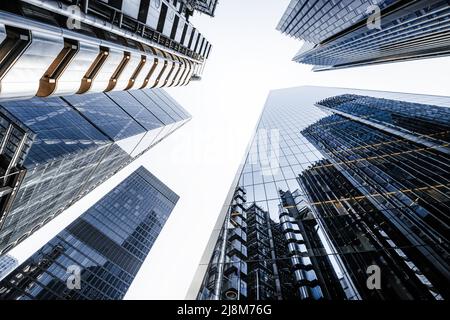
(56,150)
(119,45)
(362,180)
(107,244)
(342,34)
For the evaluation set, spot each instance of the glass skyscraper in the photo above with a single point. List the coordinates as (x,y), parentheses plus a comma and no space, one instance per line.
(343,195)
(105,246)
(56,150)
(342,34)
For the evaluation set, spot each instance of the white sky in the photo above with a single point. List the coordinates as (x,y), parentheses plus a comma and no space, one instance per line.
(200,160)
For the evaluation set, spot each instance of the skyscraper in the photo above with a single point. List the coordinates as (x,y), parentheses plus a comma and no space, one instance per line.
(65,47)
(344,195)
(105,246)
(56,150)
(342,34)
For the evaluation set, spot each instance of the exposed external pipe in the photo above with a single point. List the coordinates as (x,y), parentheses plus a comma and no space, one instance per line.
(64,10)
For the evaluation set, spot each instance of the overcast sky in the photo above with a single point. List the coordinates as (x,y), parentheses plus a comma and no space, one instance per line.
(199,161)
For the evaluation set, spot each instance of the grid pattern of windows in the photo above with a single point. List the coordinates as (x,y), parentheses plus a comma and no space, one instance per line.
(338,33)
(347,182)
(80,141)
(317,20)
(108,244)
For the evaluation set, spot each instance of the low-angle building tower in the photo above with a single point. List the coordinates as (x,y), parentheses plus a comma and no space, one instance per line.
(99,254)
(342,34)
(343,195)
(55,150)
(59,48)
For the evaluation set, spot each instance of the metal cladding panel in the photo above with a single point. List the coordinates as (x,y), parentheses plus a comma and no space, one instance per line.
(194,35)
(208,52)
(170,19)
(189,31)
(197,42)
(194,39)
(205,49)
(131,8)
(156,73)
(23,78)
(70,79)
(181,71)
(187,67)
(191,34)
(167,67)
(101,81)
(175,68)
(184,78)
(177,6)
(139,81)
(180,29)
(153,13)
(201,44)
(128,71)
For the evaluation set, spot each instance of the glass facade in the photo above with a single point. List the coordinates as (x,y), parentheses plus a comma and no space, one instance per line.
(341,34)
(7,264)
(15,142)
(79,142)
(339,188)
(106,245)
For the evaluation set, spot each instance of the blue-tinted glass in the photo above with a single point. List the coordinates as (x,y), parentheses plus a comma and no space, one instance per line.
(106,115)
(337,181)
(160,101)
(148,103)
(108,244)
(135,109)
(174,104)
(61,130)
(74,144)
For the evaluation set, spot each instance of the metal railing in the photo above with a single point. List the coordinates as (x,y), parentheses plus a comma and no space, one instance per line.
(117,18)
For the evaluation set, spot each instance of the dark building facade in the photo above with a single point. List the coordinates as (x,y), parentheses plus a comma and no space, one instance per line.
(344,195)
(106,246)
(56,150)
(342,34)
